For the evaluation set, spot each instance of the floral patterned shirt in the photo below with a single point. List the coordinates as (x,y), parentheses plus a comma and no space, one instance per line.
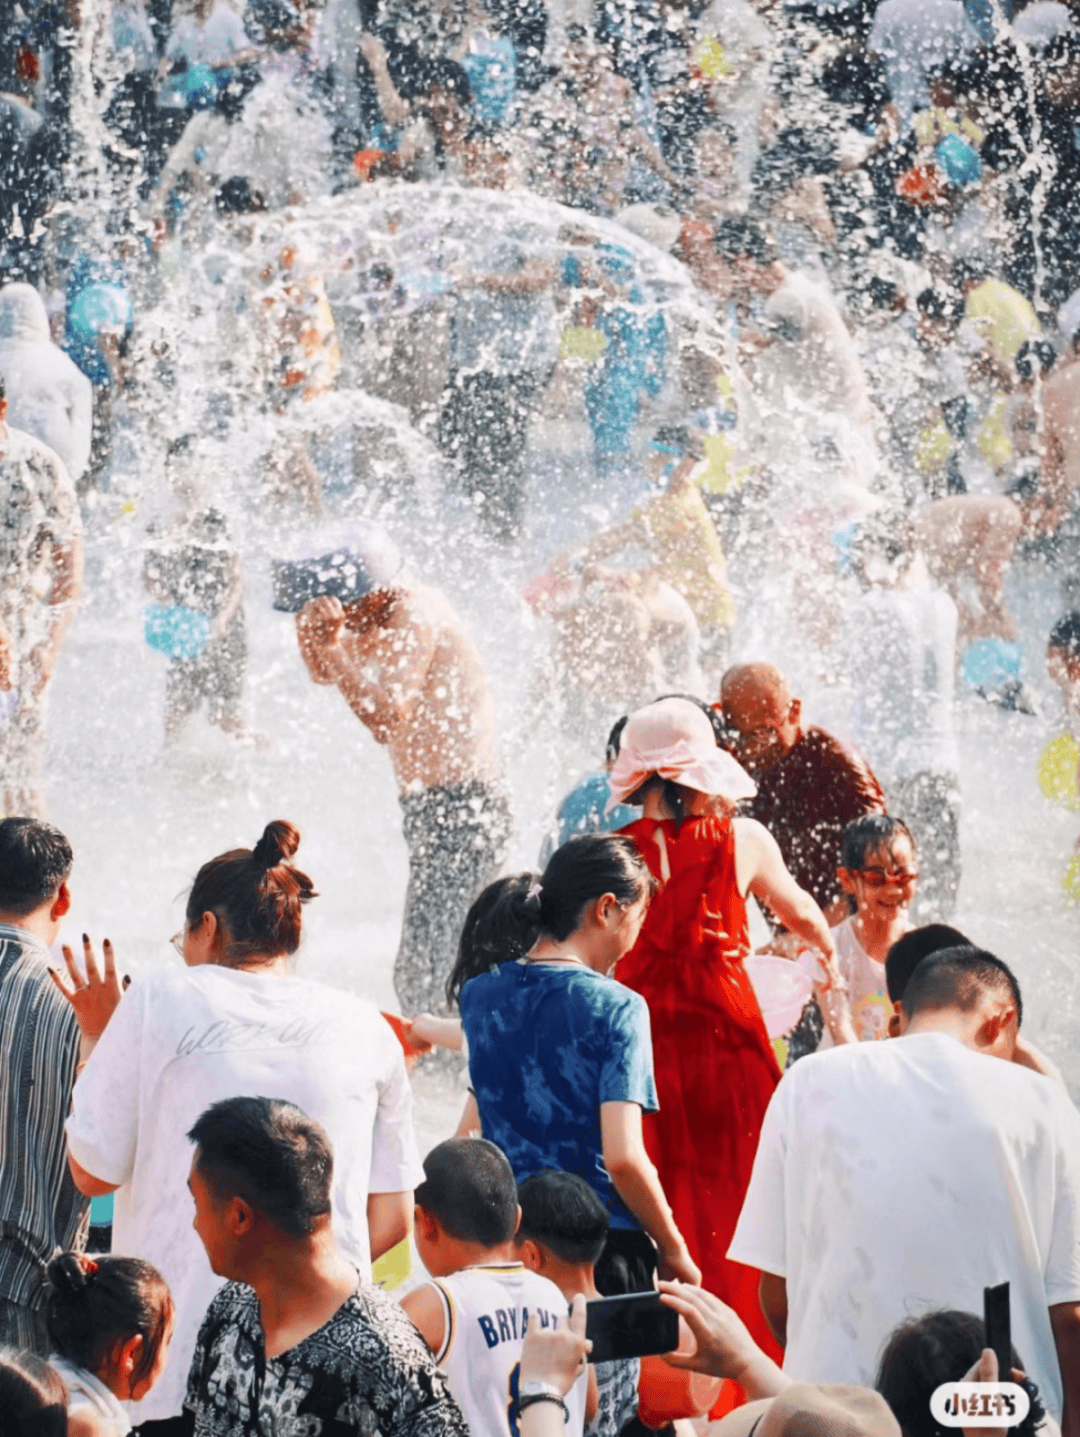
(365,1371)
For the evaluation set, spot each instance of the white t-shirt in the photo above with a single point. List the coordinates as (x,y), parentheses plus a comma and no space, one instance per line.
(895,1178)
(88,1396)
(864,979)
(185,1038)
(487,1311)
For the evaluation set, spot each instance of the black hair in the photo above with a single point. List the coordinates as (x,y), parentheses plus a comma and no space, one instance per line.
(561,1211)
(868,833)
(3,387)
(969,270)
(958,978)
(448,75)
(1035,353)
(907,953)
(35,858)
(237,196)
(93,1306)
(270,1154)
(925,1352)
(676,436)
(611,747)
(1066,634)
(257,895)
(941,304)
(469,1186)
(889,534)
(739,238)
(883,292)
(33,1400)
(513,913)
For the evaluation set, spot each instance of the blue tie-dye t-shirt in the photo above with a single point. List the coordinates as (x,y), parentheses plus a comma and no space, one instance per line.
(548,1043)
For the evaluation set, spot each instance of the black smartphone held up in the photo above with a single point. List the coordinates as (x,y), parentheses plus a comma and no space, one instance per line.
(635,1324)
(998,1326)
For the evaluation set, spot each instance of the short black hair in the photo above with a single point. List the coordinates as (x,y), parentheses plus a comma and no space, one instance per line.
(1032,353)
(742,238)
(958,978)
(561,1211)
(614,738)
(1066,634)
(970,270)
(908,952)
(925,1352)
(35,858)
(941,304)
(868,833)
(33,1399)
(269,1153)
(469,1187)
(237,196)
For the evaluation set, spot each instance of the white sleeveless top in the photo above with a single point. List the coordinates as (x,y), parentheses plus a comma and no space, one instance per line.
(487,1310)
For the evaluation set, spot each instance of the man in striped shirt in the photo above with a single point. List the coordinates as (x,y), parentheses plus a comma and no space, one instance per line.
(40,1209)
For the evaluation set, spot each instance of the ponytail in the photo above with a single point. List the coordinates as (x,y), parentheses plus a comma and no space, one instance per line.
(95,1305)
(512,914)
(257,895)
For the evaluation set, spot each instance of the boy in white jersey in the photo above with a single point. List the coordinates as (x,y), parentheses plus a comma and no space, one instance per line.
(475,1312)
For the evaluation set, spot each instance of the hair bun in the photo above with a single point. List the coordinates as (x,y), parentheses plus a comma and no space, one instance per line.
(67,1275)
(279,842)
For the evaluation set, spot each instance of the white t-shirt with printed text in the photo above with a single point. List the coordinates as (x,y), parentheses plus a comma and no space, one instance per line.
(182,1039)
(895,1178)
(487,1311)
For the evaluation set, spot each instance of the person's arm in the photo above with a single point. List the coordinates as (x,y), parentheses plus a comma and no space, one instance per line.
(760,870)
(637,1183)
(389,1219)
(319,626)
(1065,1324)
(234,599)
(427,1311)
(469,1125)
(772,1295)
(724,1347)
(443,1032)
(1028,1056)
(86,1182)
(60,605)
(554,1356)
(395,110)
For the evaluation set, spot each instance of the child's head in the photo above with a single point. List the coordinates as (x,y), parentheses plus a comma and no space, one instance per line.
(111,1316)
(908,952)
(467,1202)
(878,863)
(563,1226)
(595,877)
(32,1396)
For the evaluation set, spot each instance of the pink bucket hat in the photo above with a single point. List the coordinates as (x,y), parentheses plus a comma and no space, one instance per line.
(674,738)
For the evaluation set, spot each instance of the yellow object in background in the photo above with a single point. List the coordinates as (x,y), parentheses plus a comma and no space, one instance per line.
(717,477)
(1058,771)
(935,446)
(995,446)
(1070,880)
(710,59)
(578,342)
(391,1270)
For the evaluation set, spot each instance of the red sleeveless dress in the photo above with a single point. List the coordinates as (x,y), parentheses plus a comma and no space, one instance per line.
(715,1066)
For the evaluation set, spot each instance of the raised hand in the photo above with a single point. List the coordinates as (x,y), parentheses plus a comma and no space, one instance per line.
(94,995)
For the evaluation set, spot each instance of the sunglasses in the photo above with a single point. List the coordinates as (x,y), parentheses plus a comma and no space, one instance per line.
(177,941)
(878,877)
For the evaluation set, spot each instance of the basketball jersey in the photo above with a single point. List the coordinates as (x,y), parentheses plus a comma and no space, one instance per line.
(486,1311)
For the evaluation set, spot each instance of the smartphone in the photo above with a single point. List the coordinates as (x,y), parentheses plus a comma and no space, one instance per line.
(636,1324)
(999,1327)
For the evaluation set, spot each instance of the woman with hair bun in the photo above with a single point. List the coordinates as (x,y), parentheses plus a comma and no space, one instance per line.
(234,1021)
(110,1321)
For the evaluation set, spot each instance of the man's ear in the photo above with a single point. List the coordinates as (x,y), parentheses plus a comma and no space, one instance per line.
(795,711)
(532,1255)
(239,1217)
(61,904)
(426,1223)
(996,1026)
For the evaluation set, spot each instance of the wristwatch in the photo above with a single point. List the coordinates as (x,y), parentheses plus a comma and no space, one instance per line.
(536,1391)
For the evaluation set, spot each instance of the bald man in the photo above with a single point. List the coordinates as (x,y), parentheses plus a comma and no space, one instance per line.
(809,784)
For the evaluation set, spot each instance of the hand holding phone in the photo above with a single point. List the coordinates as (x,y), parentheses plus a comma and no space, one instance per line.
(636,1324)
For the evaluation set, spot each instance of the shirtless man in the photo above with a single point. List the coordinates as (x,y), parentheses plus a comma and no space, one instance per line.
(968,539)
(408,669)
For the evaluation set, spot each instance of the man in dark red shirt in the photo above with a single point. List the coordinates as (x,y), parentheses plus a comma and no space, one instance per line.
(809,783)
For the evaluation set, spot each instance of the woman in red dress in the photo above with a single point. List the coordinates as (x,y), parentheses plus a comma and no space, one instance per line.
(715,1066)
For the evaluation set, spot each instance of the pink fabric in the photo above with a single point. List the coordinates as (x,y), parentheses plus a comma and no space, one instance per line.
(674,739)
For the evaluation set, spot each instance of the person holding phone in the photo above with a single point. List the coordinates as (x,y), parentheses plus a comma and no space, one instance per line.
(560,1055)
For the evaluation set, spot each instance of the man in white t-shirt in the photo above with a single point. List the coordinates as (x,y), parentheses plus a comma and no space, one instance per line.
(894,1178)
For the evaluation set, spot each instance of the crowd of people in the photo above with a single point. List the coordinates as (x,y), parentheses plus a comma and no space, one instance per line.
(806,276)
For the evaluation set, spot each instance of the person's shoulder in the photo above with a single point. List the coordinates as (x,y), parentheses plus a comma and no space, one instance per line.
(231,1306)
(375,1329)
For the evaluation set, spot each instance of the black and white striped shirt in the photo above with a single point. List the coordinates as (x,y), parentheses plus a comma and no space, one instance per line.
(41,1210)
